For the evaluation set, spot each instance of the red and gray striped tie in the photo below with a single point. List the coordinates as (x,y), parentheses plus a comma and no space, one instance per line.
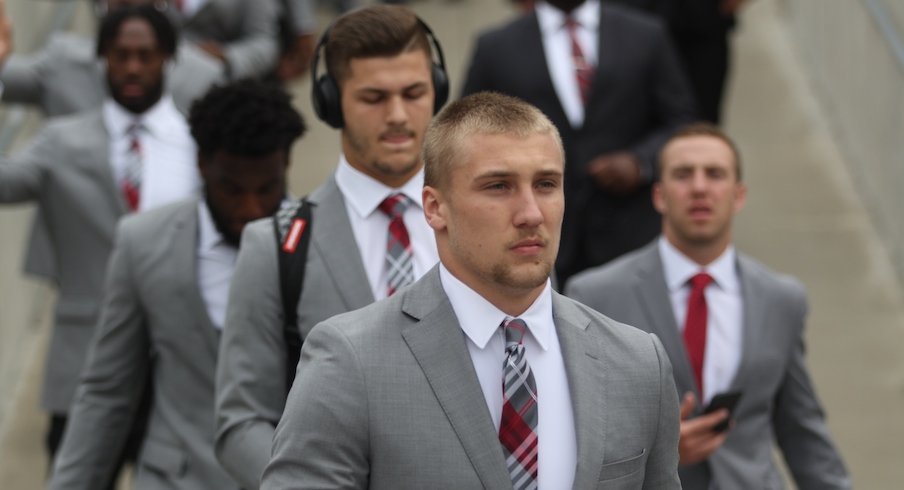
(583,69)
(518,429)
(399,257)
(131,181)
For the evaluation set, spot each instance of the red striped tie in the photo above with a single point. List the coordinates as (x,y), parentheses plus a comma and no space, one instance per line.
(518,429)
(695,326)
(583,70)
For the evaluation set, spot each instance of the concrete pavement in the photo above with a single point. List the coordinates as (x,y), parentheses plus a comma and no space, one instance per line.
(803,217)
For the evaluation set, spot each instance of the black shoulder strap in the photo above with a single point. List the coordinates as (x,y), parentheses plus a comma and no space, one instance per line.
(292,225)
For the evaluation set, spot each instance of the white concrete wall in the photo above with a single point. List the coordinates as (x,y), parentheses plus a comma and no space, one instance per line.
(847,48)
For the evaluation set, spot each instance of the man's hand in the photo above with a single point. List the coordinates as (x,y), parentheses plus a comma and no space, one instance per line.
(296,61)
(212,48)
(698,440)
(6,34)
(617,173)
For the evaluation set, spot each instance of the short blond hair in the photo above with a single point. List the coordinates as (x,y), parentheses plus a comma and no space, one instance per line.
(480,113)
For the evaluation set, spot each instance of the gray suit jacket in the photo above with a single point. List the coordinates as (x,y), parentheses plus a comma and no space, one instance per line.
(387,397)
(778,398)
(251,380)
(66,78)
(154,320)
(246,29)
(66,170)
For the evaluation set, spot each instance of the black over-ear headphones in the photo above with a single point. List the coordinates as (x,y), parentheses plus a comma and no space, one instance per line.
(325,91)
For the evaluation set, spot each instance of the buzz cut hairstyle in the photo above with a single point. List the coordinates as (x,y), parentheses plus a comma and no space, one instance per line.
(480,113)
(371,32)
(702,128)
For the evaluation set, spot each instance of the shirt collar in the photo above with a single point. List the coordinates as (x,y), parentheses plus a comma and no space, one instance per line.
(552,20)
(365,193)
(209,237)
(155,120)
(480,319)
(679,269)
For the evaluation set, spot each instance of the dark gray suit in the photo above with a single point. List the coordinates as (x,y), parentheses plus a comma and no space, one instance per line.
(154,320)
(387,397)
(251,379)
(638,96)
(778,398)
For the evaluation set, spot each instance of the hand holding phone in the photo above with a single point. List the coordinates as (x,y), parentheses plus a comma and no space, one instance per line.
(728,401)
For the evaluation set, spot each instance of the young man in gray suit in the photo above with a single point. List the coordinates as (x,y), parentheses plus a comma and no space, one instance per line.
(729,324)
(380,89)
(165,302)
(480,375)
(85,171)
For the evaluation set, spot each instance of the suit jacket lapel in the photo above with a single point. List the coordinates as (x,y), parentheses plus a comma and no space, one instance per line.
(97,158)
(332,237)
(754,300)
(582,354)
(184,247)
(438,343)
(653,294)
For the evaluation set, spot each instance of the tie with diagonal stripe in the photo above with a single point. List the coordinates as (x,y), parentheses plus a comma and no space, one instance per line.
(131,181)
(399,257)
(583,69)
(518,429)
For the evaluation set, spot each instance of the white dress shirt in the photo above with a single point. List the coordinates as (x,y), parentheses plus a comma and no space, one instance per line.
(481,322)
(557,49)
(216,263)
(191,7)
(370,226)
(169,170)
(724,307)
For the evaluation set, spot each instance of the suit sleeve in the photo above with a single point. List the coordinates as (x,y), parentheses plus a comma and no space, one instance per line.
(255,53)
(111,386)
(250,381)
(800,429)
(673,102)
(22,176)
(322,439)
(662,465)
(22,77)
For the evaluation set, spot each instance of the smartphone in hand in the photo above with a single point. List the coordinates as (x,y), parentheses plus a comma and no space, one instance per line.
(728,401)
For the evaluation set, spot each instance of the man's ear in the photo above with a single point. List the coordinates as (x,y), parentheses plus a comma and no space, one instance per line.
(434,208)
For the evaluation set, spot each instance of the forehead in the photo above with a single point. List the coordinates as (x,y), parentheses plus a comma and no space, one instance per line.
(388,72)
(487,154)
(698,150)
(135,32)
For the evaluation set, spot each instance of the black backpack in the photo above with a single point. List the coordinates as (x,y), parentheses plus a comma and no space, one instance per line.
(292,225)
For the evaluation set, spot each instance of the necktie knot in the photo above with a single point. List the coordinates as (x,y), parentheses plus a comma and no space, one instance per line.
(700,281)
(394,206)
(514,332)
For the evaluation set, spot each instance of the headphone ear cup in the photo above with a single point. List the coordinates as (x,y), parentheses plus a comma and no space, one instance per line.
(326,100)
(440,87)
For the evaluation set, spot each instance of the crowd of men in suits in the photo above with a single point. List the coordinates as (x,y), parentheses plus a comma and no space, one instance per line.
(425,344)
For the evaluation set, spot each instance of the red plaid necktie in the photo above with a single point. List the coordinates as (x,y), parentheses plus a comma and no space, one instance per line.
(583,70)
(131,181)
(695,326)
(518,429)
(399,257)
